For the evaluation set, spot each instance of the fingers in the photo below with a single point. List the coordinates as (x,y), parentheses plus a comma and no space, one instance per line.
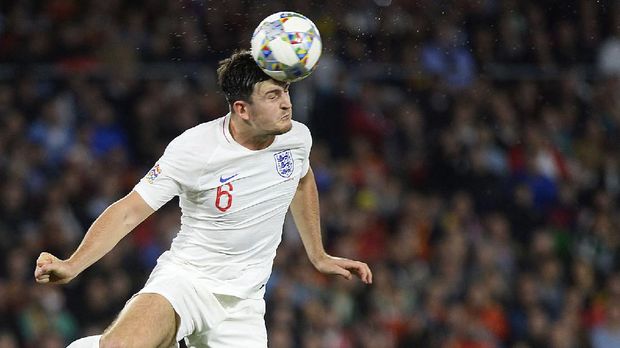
(360,269)
(363,272)
(45,258)
(345,274)
(44,279)
(42,273)
(44,267)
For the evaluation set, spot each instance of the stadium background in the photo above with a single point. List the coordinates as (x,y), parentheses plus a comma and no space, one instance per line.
(468,150)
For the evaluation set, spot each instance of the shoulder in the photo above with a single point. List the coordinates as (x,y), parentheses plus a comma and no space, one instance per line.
(196,139)
(300,127)
(300,132)
(202,132)
(190,152)
(185,157)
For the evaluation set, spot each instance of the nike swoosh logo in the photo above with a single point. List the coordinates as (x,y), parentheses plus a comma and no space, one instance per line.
(223,179)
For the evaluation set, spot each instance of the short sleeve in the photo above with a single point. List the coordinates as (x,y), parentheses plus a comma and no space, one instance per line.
(171,175)
(308,146)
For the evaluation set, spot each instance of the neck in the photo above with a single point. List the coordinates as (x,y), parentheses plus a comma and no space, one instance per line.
(245,136)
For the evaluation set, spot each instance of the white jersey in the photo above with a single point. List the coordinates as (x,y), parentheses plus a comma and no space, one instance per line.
(233,201)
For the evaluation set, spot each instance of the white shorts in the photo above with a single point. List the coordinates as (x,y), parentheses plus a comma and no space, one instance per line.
(207,319)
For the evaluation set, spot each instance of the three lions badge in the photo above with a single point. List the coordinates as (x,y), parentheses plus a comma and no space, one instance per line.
(284,163)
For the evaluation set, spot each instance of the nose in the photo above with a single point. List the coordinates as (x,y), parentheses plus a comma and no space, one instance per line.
(286,101)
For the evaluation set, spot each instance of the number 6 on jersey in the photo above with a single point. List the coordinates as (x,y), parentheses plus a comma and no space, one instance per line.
(221,191)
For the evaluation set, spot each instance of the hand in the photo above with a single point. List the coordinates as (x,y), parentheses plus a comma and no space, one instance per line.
(50,269)
(344,267)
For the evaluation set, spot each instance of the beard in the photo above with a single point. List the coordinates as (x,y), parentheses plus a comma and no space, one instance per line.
(284,129)
(283,126)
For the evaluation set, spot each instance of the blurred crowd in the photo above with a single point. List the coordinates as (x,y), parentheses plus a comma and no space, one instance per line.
(468,150)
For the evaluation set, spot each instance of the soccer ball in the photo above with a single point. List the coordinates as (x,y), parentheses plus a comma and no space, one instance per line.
(286,46)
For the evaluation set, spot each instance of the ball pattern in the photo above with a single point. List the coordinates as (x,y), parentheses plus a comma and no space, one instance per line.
(286,46)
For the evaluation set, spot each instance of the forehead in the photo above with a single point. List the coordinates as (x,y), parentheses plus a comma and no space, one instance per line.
(269,85)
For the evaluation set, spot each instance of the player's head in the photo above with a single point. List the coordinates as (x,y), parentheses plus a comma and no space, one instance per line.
(262,102)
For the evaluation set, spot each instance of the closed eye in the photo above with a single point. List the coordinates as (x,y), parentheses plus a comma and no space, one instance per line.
(276,92)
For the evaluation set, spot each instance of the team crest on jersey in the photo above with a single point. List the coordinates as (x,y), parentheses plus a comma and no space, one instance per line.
(284,163)
(153,173)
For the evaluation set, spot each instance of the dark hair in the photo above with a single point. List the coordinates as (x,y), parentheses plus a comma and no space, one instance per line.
(237,76)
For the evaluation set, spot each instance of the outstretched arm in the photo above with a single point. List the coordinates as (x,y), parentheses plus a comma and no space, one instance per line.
(305,210)
(107,230)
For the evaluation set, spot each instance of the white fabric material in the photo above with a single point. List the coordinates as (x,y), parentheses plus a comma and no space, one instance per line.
(233,202)
(207,319)
(244,326)
(86,342)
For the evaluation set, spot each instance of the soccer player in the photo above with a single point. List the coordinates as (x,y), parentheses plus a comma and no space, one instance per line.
(236,177)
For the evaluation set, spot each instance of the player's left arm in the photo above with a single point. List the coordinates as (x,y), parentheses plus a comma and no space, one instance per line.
(305,210)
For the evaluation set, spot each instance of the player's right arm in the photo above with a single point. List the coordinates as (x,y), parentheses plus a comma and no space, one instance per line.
(109,228)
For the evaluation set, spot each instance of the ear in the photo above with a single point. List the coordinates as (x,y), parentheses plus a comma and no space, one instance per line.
(241,109)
